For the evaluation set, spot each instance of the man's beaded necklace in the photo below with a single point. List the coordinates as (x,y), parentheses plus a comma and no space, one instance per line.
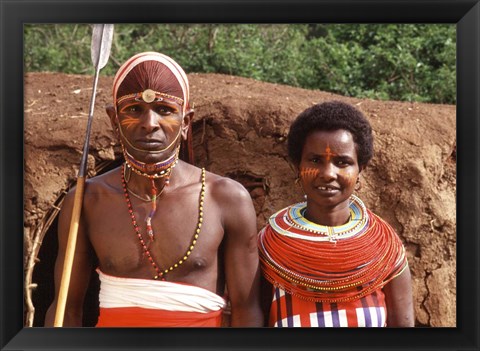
(161,273)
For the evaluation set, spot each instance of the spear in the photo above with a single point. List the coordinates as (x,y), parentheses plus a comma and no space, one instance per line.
(100,51)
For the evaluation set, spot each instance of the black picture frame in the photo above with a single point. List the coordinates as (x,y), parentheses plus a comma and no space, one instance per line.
(16,13)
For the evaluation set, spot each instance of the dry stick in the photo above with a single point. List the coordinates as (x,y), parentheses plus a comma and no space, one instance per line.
(101,44)
(33,251)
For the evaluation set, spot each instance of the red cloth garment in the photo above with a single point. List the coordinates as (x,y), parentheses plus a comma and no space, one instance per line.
(134,302)
(143,317)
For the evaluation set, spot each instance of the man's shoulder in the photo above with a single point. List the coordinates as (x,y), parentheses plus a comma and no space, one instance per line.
(224,188)
(222,183)
(100,183)
(106,179)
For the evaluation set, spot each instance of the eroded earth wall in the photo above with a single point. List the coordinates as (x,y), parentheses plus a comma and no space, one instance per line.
(239,131)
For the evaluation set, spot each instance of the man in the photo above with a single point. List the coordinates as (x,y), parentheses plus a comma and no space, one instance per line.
(168,236)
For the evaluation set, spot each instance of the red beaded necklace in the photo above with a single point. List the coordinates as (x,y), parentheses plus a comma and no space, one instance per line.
(324,271)
(159,273)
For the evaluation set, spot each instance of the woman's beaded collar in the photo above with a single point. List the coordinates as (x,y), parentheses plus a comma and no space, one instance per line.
(291,222)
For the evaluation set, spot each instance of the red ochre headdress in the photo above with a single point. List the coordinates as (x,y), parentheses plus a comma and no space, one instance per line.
(151,71)
(153,75)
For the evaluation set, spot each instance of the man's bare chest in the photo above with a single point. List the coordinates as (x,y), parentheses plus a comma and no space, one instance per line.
(186,237)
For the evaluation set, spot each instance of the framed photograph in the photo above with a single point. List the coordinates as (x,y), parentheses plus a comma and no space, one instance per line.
(464,15)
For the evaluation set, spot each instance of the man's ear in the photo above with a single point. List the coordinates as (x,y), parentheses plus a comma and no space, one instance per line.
(186,123)
(112,114)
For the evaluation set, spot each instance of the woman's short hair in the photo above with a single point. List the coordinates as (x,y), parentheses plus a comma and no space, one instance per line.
(330,116)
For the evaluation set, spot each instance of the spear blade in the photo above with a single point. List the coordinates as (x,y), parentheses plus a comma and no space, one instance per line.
(101,44)
(102,35)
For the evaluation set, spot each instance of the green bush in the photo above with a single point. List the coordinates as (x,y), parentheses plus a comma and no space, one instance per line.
(406,62)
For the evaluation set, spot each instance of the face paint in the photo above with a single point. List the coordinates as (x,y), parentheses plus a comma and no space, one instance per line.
(329,153)
(349,177)
(308,174)
(329,168)
(148,120)
(128,122)
(169,123)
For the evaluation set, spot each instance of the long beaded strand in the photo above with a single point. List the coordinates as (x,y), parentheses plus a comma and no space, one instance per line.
(153,210)
(159,273)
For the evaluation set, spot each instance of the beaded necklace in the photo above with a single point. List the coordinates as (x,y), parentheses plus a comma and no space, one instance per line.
(291,222)
(156,170)
(159,273)
(358,262)
(145,199)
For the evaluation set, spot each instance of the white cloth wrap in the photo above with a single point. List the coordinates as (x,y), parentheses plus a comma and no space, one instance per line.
(155,294)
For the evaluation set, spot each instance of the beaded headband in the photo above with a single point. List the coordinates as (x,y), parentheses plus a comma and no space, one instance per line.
(149,96)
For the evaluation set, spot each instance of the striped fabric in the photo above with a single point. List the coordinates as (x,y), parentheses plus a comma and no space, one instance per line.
(290,311)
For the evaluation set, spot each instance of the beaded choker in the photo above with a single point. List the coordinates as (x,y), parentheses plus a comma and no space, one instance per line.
(152,170)
(291,222)
(161,273)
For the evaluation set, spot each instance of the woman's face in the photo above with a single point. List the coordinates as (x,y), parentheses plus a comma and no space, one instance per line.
(329,169)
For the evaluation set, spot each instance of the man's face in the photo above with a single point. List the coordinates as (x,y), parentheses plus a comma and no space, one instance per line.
(151,129)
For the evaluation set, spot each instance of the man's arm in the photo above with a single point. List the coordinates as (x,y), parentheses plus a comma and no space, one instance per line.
(81,270)
(242,269)
(399,300)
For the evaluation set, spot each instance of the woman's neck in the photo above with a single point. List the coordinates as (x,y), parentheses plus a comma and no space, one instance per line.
(331,217)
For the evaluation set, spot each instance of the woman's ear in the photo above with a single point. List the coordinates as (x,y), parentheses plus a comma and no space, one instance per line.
(296,170)
(361,168)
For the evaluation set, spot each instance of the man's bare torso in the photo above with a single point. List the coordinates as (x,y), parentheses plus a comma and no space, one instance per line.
(110,230)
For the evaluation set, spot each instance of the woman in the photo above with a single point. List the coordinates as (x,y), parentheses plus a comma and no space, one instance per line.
(329,261)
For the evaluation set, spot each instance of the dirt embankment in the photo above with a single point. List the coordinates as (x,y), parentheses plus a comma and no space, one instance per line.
(239,130)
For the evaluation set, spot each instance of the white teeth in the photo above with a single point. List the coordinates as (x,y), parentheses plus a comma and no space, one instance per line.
(325,188)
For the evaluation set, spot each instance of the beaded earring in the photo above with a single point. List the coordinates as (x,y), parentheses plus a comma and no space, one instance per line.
(299,183)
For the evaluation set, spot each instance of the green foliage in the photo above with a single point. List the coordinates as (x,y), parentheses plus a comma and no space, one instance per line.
(397,62)
(58,48)
(407,62)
